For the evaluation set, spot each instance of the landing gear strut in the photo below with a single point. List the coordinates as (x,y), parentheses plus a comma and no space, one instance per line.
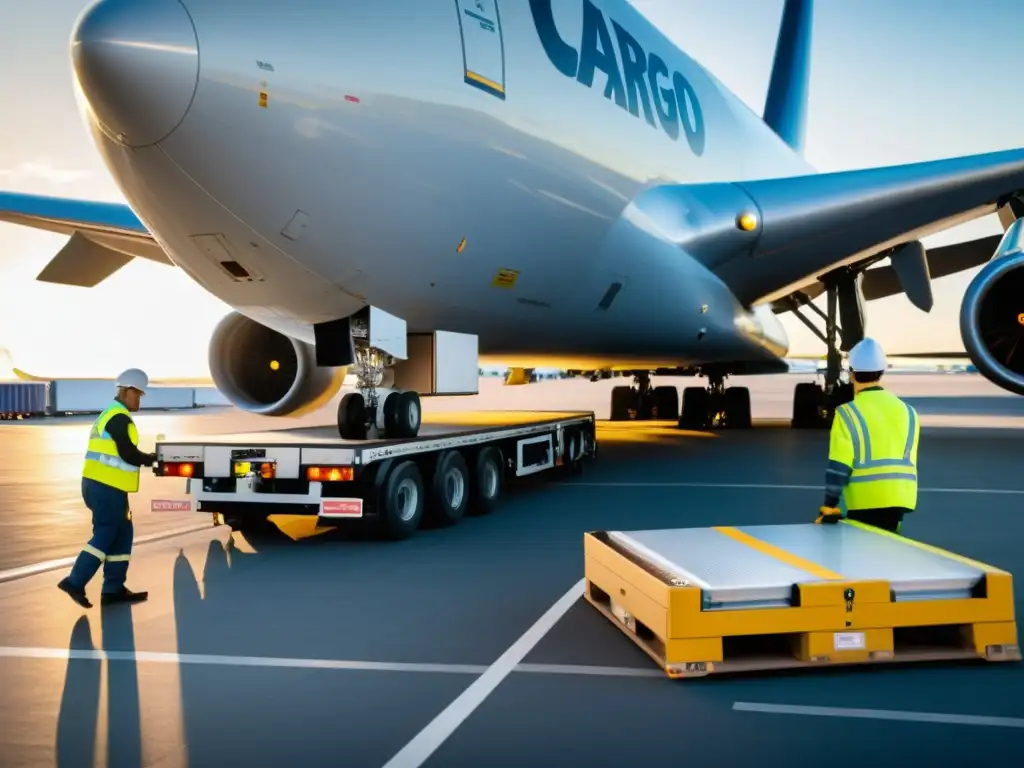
(643,403)
(374,407)
(814,405)
(703,408)
(716,406)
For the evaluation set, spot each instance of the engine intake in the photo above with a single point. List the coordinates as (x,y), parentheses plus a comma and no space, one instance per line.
(262,371)
(992,314)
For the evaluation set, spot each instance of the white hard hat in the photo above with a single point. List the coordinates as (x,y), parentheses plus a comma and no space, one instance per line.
(135,379)
(867,355)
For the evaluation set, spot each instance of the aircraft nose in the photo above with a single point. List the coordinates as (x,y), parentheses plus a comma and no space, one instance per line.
(137,62)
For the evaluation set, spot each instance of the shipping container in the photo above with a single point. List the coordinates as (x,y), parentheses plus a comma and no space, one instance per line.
(92,396)
(23,398)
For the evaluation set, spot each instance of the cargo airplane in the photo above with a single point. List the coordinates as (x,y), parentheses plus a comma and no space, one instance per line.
(404,187)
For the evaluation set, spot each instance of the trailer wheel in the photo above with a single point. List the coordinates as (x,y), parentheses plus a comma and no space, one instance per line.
(487,481)
(401,508)
(352,417)
(449,491)
(572,459)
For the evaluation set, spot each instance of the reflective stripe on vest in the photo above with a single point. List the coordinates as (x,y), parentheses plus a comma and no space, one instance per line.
(879,482)
(102,461)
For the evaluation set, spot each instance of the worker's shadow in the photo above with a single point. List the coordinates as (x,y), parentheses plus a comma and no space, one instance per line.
(80,701)
(210,622)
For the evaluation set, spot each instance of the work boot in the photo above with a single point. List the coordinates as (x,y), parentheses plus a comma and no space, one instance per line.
(124,596)
(76,594)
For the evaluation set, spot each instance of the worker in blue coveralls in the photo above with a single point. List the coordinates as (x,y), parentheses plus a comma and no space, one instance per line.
(112,464)
(872,458)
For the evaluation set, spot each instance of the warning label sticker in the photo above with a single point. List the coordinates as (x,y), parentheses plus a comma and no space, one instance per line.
(170,505)
(506,278)
(341,508)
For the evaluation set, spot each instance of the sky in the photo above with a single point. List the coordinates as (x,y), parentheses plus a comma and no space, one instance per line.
(892,81)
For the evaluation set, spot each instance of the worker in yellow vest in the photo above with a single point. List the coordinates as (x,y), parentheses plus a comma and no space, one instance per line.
(112,464)
(872,458)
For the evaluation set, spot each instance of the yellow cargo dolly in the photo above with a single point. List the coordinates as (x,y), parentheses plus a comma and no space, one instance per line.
(718,600)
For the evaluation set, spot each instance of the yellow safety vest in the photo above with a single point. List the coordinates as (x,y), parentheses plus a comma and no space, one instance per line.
(102,462)
(876,435)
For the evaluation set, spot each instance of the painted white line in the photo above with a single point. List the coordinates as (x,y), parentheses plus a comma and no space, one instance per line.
(150,657)
(237,661)
(65,562)
(773,486)
(426,742)
(881,714)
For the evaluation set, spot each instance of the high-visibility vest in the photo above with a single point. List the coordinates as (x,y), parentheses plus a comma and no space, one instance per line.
(102,462)
(877,435)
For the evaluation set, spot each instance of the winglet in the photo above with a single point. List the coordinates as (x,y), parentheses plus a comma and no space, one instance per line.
(785,109)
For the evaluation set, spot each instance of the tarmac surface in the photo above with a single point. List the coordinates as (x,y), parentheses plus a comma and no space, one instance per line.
(471,646)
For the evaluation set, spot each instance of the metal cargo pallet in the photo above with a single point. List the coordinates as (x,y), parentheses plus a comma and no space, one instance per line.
(719,600)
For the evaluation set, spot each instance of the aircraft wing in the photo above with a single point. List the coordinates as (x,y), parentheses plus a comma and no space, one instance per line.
(104,236)
(810,225)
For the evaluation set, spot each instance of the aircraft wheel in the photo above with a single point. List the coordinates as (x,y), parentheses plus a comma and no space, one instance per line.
(449,490)
(407,416)
(352,417)
(666,403)
(696,408)
(487,481)
(401,502)
(807,399)
(737,408)
(622,401)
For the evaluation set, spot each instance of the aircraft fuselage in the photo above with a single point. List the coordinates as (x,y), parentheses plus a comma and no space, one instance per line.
(465,167)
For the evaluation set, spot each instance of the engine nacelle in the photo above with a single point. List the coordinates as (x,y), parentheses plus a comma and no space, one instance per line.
(262,371)
(992,314)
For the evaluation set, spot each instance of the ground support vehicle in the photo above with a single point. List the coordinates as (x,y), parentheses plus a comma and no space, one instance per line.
(304,481)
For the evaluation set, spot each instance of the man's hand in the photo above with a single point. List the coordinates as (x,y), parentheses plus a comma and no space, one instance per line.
(829,515)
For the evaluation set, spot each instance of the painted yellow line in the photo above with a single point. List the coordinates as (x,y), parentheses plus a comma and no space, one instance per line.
(485,81)
(780,554)
(925,547)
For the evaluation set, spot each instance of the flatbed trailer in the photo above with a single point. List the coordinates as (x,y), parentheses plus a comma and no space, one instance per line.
(307,480)
(716,600)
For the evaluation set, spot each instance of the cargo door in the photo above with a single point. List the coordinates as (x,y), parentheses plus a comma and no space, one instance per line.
(483,50)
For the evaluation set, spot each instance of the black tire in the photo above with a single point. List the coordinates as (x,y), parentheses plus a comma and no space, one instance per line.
(401,504)
(488,477)
(806,400)
(572,458)
(390,409)
(449,489)
(408,415)
(737,408)
(696,408)
(352,417)
(666,403)
(622,401)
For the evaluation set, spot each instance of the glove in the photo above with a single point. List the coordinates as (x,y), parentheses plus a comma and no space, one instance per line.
(829,515)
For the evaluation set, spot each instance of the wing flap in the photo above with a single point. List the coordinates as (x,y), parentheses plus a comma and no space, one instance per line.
(104,236)
(83,262)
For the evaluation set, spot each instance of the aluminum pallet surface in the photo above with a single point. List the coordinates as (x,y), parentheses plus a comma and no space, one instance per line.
(716,600)
(758,566)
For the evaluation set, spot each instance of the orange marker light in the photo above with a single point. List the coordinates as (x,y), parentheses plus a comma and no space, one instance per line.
(329,474)
(1020,318)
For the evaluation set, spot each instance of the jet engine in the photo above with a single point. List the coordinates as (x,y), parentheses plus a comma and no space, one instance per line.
(262,371)
(992,314)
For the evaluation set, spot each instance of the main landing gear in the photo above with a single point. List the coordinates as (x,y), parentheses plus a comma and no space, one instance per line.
(702,408)
(374,407)
(814,405)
